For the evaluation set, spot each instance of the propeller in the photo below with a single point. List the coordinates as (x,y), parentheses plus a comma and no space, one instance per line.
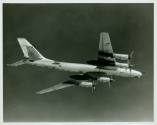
(93,88)
(130,59)
(111,80)
(109,84)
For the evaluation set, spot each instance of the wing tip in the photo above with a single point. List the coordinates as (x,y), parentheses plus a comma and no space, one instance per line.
(43,91)
(21,38)
(39,92)
(104,32)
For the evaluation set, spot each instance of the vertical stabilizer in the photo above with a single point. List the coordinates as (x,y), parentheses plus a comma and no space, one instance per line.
(28,50)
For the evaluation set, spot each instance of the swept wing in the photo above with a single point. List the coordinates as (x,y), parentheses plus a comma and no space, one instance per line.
(105,52)
(57,87)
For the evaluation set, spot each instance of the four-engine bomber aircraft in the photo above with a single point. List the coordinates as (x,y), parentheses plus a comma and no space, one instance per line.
(90,74)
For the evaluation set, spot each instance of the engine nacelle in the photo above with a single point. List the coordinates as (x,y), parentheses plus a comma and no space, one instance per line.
(121,56)
(85,84)
(103,79)
(122,65)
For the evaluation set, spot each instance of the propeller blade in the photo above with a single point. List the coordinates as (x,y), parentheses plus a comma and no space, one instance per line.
(112,80)
(109,84)
(131,54)
(130,69)
(93,88)
(130,59)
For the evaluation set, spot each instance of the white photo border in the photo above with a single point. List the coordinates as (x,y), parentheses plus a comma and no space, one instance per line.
(76,123)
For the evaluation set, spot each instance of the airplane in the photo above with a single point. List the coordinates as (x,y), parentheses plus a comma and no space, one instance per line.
(95,71)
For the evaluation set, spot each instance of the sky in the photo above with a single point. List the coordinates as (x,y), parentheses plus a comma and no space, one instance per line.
(70,33)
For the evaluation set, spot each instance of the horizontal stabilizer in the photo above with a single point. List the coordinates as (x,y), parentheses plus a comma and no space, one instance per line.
(18,63)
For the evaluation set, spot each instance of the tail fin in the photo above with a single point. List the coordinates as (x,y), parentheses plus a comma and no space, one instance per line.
(28,50)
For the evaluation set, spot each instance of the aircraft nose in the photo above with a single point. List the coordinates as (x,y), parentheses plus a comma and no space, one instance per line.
(139,74)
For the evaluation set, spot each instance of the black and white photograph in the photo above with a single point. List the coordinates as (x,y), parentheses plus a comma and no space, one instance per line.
(78,62)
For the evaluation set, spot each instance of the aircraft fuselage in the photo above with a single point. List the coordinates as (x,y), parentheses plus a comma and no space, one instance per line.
(83,68)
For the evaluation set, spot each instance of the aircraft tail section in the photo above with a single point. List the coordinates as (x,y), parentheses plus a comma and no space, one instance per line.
(30,53)
(28,50)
